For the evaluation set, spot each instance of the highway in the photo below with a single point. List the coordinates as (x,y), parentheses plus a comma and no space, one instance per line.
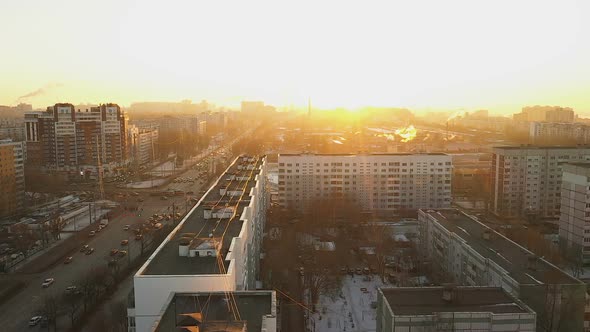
(16,312)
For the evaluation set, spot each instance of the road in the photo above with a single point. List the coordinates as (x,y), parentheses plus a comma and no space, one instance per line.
(15,313)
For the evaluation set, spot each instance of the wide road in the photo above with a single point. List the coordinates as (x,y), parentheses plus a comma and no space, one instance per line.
(15,313)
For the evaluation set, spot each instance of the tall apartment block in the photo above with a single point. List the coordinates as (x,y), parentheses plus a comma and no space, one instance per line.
(12,177)
(389,182)
(574,221)
(67,140)
(214,249)
(526,180)
(466,252)
(143,142)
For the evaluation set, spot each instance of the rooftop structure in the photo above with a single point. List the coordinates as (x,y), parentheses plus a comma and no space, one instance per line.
(253,311)
(450,308)
(467,252)
(216,247)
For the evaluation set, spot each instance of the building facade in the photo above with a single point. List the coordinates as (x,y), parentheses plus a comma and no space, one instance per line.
(546,132)
(526,180)
(143,141)
(466,252)
(391,182)
(12,177)
(545,114)
(63,139)
(574,220)
(405,309)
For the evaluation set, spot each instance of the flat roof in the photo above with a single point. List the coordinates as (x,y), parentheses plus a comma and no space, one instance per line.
(507,254)
(428,300)
(363,154)
(167,261)
(252,306)
(540,147)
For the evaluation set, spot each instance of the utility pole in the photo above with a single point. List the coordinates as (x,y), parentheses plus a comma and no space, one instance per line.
(89,214)
(173,214)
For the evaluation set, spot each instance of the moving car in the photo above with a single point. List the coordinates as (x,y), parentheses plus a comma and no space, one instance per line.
(92,233)
(114,252)
(122,253)
(73,290)
(47,282)
(84,248)
(35,320)
(89,251)
(124,242)
(68,260)
(138,237)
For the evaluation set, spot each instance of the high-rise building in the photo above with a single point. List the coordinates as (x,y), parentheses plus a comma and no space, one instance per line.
(545,114)
(143,141)
(12,177)
(449,308)
(67,140)
(391,182)
(526,180)
(574,221)
(215,248)
(464,251)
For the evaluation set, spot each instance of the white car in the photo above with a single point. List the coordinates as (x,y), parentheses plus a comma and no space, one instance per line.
(48,282)
(35,320)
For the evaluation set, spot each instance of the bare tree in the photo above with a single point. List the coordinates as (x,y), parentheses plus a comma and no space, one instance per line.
(49,307)
(71,301)
(118,311)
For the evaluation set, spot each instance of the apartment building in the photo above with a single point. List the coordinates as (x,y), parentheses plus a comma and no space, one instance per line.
(545,132)
(72,141)
(389,182)
(450,308)
(574,221)
(466,252)
(12,177)
(526,180)
(215,248)
(143,141)
(545,114)
(209,311)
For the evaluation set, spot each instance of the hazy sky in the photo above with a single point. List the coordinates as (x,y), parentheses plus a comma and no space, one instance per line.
(500,54)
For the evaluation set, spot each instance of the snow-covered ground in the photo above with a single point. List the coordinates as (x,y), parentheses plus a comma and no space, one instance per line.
(146,184)
(351,310)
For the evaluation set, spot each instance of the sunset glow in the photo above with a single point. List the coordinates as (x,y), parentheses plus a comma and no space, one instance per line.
(498,55)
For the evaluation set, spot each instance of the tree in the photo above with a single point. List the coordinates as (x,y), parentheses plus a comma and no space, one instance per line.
(321,281)
(49,307)
(118,314)
(88,289)
(71,301)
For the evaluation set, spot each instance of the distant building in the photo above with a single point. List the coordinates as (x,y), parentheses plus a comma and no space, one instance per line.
(392,182)
(403,309)
(574,221)
(218,312)
(545,114)
(546,132)
(13,129)
(143,142)
(62,139)
(466,252)
(526,180)
(12,177)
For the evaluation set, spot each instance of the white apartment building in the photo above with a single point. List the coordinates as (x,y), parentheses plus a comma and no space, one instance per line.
(466,252)
(405,309)
(207,253)
(526,180)
(548,131)
(574,221)
(391,182)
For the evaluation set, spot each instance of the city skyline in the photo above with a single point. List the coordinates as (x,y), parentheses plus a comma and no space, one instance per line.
(499,56)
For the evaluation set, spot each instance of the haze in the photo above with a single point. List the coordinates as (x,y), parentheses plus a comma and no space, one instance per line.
(498,55)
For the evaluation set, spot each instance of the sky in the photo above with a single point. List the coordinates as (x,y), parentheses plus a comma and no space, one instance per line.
(499,55)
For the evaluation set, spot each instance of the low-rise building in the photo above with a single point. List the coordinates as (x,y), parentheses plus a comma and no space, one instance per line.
(252,311)
(449,308)
(466,252)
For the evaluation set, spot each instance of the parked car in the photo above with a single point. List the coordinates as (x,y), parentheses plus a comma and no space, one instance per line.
(89,251)
(126,228)
(359,271)
(47,282)
(114,252)
(138,237)
(124,242)
(164,198)
(84,248)
(35,320)
(73,290)
(122,253)
(92,233)
(68,260)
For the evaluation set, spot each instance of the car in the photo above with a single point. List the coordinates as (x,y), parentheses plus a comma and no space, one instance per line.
(114,252)
(126,227)
(122,253)
(89,251)
(164,198)
(68,260)
(140,200)
(343,270)
(366,270)
(35,320)
(92,233)
(124,242)
(73,290)
(98,229)
(359,271)
(135,194)
(84,248)
(138,237)
(47,282)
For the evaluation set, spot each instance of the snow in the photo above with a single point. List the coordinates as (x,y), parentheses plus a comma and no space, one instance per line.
(146,184)
(351,308)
